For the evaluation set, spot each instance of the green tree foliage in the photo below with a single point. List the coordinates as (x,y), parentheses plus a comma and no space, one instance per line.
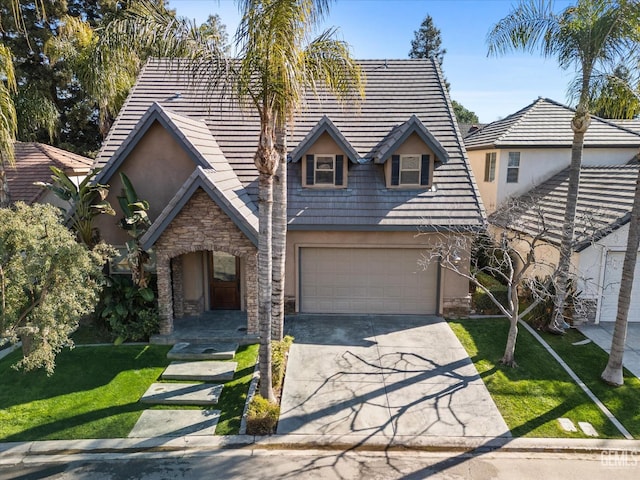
(427,42)
(47,282)
(619,85)
(8,122)
(463,115)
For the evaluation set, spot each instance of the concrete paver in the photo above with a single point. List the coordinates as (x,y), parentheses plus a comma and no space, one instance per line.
(175,423)
(182,394)
(204,371)
(602,334)
(208,351)
(383,376)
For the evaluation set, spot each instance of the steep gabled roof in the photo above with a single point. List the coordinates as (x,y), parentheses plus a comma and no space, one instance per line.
(395,91)
(32,165)
(191,133)
(546,123)
(325,125)
(605,199)
(224,188)
(400,134)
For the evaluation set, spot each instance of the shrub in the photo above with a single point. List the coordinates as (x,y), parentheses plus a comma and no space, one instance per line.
(482,304)
(262,416)
(279,352)
(131,311)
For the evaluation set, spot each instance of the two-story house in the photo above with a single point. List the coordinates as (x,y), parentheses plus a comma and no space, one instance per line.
(362,182)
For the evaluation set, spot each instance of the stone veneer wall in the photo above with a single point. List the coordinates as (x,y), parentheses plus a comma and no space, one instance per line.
(202,225)
(456,307)
(178,288)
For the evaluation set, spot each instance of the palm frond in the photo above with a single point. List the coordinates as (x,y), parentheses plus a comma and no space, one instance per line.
(8,117)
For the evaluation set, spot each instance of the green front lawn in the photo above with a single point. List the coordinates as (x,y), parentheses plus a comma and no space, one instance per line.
(95,393)
(533,396)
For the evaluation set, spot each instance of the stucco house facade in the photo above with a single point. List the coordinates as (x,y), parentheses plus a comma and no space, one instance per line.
(362,182)
(511,156)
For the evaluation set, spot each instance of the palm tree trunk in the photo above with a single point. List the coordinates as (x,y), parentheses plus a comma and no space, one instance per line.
(265,211)
(279,236)
(613,373)
(5,197)
(579,124)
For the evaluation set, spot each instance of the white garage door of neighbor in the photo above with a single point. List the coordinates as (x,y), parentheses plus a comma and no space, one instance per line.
(366,280)
(612,279)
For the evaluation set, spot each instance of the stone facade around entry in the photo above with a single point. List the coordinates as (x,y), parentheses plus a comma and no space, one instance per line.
(201,225)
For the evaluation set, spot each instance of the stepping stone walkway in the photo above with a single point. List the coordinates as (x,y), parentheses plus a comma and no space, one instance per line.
(208,351)
(182,394)
(205,371)
(175,423)
(204,364)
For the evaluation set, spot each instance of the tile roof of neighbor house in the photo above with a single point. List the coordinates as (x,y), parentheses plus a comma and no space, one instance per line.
(32,165)
(632,124)
(546,123)
(605,198)
(395,90)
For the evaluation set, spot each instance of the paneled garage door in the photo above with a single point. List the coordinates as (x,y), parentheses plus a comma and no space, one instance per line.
(612,279)
(366,280)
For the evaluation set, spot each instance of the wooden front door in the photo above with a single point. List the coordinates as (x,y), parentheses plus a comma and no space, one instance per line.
(224,281)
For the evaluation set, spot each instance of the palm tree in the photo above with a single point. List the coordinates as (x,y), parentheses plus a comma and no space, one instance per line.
(612,373)
(278,65)
(594,37)
(8,121)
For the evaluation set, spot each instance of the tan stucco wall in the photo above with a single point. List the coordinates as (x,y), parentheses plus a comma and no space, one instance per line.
(325,145)
(157,167)
(451,285)
(413,145)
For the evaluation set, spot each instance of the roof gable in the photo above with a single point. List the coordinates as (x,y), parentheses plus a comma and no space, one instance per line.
(401,133)
(325,125)
(546,123)
(192,134)
(224,189)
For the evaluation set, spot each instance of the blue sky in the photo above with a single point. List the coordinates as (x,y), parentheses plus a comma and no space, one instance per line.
(491,87)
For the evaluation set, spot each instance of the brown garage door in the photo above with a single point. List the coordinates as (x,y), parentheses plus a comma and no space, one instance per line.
(366,280)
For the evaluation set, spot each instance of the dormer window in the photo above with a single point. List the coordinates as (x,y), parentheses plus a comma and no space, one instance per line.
(410,170)
(325,170)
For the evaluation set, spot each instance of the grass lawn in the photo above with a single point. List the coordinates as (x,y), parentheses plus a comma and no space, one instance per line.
(588,361)
(94,393)
(533,396)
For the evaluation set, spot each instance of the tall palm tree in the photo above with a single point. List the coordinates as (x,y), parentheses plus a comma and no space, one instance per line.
(278,66)
(8,121)
(612,373)
(594,37)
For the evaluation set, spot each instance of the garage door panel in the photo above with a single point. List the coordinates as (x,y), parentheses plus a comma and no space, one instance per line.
(611,289)
(365,280)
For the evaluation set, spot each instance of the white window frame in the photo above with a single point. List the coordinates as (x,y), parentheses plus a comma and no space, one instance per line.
(401,170)
(324,156)
(513,164)
(490,167)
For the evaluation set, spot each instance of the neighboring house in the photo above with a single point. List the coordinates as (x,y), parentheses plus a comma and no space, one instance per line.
(605,200)
(513,155)
(361,182)
(32,165)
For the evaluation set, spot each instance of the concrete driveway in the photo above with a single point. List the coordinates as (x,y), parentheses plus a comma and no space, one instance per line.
(383,375)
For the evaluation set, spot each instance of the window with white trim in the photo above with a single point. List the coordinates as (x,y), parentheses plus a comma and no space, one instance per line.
(513,167)
(490,167)
(410,169)
(325,169)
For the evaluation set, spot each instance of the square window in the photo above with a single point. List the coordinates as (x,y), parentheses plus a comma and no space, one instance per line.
(410,169)
(490,167)
(324,170)
(513,167)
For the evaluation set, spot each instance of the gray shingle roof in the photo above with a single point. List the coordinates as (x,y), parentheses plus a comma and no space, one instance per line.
(546,123)
(395,90)
(605,199)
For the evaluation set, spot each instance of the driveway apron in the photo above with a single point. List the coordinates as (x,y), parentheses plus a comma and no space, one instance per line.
(383,375)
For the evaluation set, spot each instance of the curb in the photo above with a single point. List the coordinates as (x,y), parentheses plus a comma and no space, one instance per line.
(13,453)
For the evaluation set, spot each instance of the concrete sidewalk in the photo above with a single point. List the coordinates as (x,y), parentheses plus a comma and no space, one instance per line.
(602,333)
(385,376)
